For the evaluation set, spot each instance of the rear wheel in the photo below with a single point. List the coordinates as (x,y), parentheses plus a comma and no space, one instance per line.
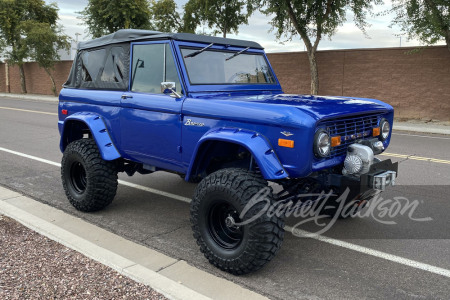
(216,214)
(90,183)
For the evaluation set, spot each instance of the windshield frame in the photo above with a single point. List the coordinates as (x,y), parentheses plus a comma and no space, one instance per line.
(275,86)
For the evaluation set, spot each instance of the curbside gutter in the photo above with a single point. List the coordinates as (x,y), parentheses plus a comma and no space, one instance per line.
(143,265)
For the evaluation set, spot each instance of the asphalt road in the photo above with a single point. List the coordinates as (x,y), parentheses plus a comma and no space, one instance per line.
(366,257)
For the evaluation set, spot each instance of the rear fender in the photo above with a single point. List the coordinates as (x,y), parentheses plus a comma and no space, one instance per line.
(72,130)
(255,143)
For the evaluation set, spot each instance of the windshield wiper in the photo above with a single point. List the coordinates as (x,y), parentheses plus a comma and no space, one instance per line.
(199,51)
(237,53)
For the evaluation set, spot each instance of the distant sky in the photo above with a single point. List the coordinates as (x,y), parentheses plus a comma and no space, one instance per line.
(347,37)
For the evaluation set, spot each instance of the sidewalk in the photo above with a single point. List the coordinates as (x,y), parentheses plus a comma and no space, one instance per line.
(423,126)
(173,278)
(414,126)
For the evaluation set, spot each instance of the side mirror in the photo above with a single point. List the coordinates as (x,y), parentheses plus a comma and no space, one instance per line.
(169,88)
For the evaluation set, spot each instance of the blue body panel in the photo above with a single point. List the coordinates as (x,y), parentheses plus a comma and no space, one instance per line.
(166,132)
(254,142)
(99,131)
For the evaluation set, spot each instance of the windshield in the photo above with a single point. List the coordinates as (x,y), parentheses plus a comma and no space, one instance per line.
(212,67)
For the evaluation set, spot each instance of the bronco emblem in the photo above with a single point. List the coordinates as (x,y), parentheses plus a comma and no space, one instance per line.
(189,122)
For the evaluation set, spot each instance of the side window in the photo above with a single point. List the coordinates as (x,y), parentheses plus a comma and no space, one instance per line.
(92,62)
(114,69)
(153,64)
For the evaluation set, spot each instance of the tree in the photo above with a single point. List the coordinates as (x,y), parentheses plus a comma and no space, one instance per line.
(427,20)
(224,15)
(44,43)
(166,18)
(313,20)
(105,16)
(16,18)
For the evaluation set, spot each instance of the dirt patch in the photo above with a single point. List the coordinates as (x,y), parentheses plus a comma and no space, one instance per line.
(35,267)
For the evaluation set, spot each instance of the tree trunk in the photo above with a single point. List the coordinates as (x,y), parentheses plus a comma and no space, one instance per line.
(23,85)
(314,71)
(447,40)
(53,81)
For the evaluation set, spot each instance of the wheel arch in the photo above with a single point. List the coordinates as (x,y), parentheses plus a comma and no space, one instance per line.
(76,125)
(255,143)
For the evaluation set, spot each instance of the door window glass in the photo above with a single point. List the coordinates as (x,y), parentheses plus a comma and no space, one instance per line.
(153,64)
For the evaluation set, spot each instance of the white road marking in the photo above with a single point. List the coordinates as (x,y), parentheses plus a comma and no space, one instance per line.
(31,111)
(155,191)
(372,252)
(424,136)
(31,157)
(328,240)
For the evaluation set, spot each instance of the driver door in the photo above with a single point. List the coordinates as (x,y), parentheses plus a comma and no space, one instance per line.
(150,119)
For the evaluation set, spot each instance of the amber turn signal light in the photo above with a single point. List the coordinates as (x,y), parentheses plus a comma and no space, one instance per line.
(376,131)
(335,141)
(286,143)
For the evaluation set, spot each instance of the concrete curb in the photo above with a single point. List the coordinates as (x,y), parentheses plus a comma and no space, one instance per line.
(421,128)
(164,274)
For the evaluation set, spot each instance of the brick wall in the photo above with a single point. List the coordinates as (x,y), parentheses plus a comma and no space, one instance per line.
(37,80)
(416,85)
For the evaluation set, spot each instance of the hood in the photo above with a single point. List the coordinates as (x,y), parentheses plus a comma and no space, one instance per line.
(276,108)
(324,107)
(318,107)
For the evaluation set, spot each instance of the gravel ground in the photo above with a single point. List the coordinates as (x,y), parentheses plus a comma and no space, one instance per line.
(35,267)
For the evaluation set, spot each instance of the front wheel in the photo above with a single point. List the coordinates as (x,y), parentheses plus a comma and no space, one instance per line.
(90,183)
(234,237)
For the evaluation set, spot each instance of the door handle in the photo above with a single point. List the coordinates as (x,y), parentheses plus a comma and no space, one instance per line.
(125,96)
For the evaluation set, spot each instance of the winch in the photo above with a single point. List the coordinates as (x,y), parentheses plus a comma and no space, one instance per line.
(358,160)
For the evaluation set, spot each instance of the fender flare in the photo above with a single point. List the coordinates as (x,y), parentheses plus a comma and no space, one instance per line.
(263,153)
(99,132)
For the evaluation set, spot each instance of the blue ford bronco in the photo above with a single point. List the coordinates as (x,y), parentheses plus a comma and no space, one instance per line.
(212,110)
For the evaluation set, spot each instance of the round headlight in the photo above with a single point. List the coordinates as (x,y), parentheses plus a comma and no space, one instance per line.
(322,144)
(385,128)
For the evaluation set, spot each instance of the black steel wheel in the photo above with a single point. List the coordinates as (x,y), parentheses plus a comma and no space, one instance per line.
(221,223)
(78,177)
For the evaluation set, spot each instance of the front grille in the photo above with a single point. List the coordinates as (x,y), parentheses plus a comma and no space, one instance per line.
(350,130)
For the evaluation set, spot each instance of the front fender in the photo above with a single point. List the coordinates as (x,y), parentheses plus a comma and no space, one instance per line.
(98,129)
(255,143)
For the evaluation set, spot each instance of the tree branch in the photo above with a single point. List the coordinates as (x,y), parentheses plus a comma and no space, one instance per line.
(320,25)
(297,27)
(437,13)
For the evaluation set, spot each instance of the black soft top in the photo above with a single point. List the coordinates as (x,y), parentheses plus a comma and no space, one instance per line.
(129,35)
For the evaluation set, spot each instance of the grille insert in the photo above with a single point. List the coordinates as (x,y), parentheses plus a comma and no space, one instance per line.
(350,130)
